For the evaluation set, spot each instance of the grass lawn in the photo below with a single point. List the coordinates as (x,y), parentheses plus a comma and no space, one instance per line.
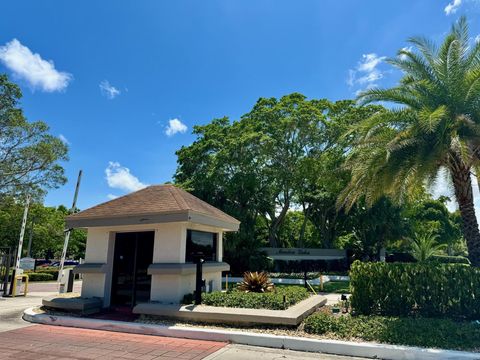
(339,287)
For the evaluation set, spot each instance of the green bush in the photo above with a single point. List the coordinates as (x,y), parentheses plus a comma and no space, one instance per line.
(425,289)
(424,332)
(52,271)
(272,300)
(40,276)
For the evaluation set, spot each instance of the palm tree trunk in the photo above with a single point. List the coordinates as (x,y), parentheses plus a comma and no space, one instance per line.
(462,185)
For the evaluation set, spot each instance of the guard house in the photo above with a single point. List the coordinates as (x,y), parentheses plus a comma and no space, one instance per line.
(141,247)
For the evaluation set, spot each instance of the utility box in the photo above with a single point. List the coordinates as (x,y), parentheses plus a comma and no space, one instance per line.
(66,281)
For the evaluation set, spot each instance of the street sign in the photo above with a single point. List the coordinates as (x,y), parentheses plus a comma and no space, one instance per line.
(27,263)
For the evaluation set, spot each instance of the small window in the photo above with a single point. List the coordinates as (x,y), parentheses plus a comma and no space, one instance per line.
(200,242)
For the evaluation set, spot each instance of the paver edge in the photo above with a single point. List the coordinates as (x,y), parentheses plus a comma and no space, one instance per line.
(336,347)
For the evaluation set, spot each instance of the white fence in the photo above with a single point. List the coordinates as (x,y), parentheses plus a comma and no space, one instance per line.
(325,278)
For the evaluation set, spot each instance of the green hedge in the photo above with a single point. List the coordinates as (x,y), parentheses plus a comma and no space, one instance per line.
(40,277)
(425,289)
(272,301)
(51,271)
(424,332)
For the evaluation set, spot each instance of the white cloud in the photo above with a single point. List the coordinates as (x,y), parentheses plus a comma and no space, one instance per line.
(175,126)
(120,177)
(406,48)
(37,72)
(366,73)
(444,187)
(452,7)
(477,38)
(111,196)
(64,139)
(109,90)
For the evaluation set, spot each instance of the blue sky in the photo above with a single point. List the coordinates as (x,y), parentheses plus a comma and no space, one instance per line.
(123,82)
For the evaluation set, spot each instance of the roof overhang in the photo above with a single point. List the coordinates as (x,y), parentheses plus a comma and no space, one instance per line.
(145,219)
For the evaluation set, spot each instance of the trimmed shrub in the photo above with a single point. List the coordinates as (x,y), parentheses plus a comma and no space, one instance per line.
(425,289)
(424,332)
(271,300)
(40,276)
(51,271)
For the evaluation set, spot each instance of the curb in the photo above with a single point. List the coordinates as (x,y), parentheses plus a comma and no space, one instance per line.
(336,347)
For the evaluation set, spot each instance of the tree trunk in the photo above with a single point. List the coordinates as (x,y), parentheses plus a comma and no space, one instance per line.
(276,222)
(462,185)
(300,242)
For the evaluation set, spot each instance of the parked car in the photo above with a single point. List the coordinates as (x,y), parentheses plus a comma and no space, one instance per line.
(66,263)
(57,263)
(42,262)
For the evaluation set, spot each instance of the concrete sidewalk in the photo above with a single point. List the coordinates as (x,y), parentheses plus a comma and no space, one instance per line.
(244,352)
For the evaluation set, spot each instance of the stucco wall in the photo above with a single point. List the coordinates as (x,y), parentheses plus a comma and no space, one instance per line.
(99,250)
(170,246)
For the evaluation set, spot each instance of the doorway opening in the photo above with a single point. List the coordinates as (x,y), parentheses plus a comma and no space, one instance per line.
(133,255)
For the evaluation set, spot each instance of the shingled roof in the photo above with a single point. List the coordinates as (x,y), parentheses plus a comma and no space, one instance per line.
(153,204)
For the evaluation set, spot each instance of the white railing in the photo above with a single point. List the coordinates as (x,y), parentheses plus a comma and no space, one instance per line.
(325,278)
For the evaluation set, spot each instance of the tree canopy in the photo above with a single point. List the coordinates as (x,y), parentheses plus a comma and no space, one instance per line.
(29,156)
(45,226)
(280,168)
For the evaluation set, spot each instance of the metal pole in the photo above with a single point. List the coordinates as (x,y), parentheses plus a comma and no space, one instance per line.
(67,234)
(8,259)
(22,234)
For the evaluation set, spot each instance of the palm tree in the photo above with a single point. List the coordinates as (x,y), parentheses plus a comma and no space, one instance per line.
(425,245)
(435,130)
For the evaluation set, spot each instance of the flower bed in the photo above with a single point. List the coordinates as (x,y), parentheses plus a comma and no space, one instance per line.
(272,300)
(412,331)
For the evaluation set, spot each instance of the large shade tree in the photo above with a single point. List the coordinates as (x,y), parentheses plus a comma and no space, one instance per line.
(29,155)
(434,131)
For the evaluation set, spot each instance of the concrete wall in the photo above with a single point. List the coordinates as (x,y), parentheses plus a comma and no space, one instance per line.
(169,247)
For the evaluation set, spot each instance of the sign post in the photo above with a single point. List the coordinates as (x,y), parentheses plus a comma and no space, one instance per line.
(67,233)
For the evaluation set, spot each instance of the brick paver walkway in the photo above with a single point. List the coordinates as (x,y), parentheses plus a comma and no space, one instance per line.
(42,342)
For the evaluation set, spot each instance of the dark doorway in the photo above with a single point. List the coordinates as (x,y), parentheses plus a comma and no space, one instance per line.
(132,256)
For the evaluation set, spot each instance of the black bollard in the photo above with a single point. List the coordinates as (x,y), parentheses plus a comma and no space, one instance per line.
(199,281)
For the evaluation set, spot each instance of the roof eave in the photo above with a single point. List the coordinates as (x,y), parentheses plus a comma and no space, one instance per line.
(203,219)
(87,222)
(187,215)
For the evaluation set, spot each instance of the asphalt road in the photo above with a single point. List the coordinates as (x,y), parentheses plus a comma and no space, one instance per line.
(11,310)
